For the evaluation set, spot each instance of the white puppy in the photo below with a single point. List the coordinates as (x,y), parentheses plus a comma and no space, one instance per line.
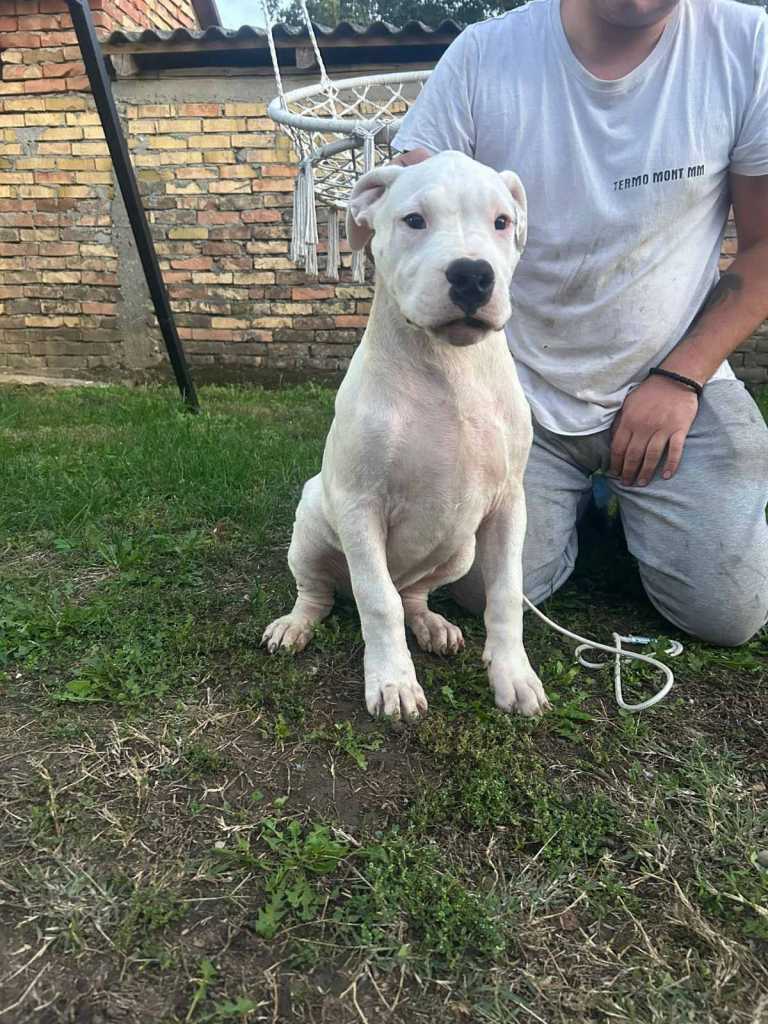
(423,465)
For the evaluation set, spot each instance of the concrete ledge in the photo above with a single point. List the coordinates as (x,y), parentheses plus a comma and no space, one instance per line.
(56,382)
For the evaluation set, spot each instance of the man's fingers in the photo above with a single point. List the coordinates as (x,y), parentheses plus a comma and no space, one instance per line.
(633,458)
(653,454)
(674,454)
(411,156)
(619,446)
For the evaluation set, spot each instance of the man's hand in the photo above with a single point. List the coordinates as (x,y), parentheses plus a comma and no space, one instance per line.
(411,156)
(656,416)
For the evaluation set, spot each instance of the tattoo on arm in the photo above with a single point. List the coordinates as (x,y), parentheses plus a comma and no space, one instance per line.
(729,284)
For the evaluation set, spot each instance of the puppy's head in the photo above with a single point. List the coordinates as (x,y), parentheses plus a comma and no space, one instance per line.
(446,235)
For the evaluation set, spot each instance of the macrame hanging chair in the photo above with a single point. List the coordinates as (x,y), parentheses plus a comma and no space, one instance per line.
(339,130)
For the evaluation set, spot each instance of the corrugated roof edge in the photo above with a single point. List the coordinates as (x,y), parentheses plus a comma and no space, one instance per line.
(344,30)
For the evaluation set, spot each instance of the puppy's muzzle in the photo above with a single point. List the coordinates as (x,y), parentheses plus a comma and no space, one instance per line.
(471,284)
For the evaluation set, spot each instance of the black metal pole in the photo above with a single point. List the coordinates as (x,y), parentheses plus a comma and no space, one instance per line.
(121,161)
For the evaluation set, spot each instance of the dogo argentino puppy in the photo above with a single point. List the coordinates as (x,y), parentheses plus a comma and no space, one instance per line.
(423,465)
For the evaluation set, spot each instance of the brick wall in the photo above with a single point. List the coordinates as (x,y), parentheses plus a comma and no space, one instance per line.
(58,280)
(218,183)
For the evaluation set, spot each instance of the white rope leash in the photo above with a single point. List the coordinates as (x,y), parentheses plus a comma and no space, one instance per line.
(672,651)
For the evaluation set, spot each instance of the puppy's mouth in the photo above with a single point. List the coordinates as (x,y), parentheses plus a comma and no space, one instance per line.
(469,321)
(459,331)
(464,330)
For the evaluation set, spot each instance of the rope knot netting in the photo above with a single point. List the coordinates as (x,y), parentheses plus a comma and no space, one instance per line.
(339,130)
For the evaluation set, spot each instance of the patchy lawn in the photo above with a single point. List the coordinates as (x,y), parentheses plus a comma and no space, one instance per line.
(192,831)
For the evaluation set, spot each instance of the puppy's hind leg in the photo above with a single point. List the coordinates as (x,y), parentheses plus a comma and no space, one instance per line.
(311,560)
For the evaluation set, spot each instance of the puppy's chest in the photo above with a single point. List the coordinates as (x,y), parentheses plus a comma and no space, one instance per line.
(454,470)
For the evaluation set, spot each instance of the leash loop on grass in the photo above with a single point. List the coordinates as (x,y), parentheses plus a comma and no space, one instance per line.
(673,650)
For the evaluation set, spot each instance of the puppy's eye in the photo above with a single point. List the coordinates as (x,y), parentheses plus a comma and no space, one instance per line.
(415,221)
(502,222)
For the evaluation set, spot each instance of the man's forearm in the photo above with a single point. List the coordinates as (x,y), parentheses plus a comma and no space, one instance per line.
(735,307)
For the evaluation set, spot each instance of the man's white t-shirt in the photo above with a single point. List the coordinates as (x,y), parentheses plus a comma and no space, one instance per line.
(627,185)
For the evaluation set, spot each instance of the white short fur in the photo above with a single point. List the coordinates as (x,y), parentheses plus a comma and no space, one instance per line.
(423,465)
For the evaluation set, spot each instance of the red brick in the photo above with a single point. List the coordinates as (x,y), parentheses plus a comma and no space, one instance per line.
(260,216)
(17,249)
(46,85)
(316,292)
(21,41)
(14,205)
(55,177)
(99,278)
(272,185)
(100,308)
(57,205)
(217,217)
(62,249)
(42,22)
(62,70)
(57,39)
(53,54)
(197,263)
(221,335)
(351,321)
(16,72)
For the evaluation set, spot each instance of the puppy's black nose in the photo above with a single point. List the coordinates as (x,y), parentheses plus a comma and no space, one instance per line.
(471,283)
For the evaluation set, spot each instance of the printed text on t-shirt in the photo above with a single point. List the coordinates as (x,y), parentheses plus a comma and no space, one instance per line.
(668,174)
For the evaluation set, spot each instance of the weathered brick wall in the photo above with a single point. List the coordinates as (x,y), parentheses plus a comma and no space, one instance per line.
(58,279)
(38,43)
(218,183)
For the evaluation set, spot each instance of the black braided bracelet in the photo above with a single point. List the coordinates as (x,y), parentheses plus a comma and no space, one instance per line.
(689,383)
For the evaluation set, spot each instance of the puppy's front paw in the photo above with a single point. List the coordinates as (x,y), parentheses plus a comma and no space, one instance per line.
(516,687)
(434,633)
(289,632)
(394,693)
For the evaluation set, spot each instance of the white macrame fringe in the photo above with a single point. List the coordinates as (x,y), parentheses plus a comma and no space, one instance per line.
(310,234)
(369,162)
(333,262)
(299,207)
(358,266)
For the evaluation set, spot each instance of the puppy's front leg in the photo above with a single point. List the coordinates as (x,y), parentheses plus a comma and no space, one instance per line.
(515,685)
(391,688)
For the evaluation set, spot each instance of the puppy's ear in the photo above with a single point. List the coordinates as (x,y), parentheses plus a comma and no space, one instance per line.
(517,192)
(362,205)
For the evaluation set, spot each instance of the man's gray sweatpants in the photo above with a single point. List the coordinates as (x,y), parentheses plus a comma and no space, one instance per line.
(700,539)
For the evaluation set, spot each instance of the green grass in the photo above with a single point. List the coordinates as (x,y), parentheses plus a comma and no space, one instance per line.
(193,831)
